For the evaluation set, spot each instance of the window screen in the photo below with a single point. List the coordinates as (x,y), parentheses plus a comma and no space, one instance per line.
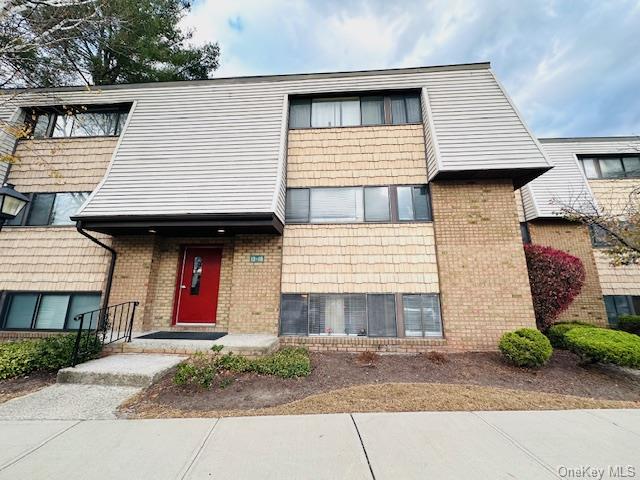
(293,315)
(339,205)
(376,204)
(300,113)
(297,205)
(422,315)
(337,314)
(83,303)
(20,311)
(381,314)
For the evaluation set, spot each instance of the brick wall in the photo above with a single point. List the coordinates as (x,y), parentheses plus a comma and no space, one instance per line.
(613,196)
(55,258)
(574,239)
(484,285)
(255,291)
(359,258)
(249,294)
(356,156)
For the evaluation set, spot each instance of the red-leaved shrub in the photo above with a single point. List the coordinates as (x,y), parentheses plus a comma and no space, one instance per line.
(556,279)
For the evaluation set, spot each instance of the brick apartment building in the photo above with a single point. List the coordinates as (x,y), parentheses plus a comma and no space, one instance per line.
(361,210)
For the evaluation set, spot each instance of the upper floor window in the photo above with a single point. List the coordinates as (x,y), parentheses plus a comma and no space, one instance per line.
(50,209)
(352,111)
(358,204)
(611,166)
(61,122)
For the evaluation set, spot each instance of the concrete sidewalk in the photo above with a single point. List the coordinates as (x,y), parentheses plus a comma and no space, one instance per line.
(442,445)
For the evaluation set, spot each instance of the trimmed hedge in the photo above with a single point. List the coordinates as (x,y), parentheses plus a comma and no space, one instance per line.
(557,332)
(526,348)
(605,346)
(629,323)
(43,354)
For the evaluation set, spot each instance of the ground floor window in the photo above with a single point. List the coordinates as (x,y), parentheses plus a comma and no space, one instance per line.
(372,315)
(617,305)
(44,310)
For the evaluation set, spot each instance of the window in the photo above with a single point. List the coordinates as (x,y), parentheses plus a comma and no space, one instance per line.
(50,209)
(58,122)
(611,166)
(524,232)
(617,305)
(395,109)
(422,316)
(413,203)
(338,314)
(376,202)
(599,236)
(336,205)
(358,204)
(46,311)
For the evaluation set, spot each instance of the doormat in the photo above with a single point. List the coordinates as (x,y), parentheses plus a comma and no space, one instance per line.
(183,335)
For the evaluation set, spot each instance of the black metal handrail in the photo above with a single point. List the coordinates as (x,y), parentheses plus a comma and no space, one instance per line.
(101,327)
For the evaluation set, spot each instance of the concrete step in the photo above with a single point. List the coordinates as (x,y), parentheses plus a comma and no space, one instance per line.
(250,345)
(130,370)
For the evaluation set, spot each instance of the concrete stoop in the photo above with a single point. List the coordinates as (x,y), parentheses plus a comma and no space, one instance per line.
(250,345)
(127,370)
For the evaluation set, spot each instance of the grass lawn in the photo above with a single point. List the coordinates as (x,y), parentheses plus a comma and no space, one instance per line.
(342,382)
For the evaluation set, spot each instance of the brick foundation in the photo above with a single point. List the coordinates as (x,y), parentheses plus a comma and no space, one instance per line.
(574,238)
(363,344)
(484,284)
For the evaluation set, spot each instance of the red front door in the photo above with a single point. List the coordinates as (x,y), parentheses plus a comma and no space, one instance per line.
(198,284)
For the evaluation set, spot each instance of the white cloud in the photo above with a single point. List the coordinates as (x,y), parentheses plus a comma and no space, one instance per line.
(572,67)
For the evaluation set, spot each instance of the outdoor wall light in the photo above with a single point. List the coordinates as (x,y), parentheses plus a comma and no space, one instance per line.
(11,203)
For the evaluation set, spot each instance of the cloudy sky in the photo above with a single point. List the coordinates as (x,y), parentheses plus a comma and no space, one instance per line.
(572,67)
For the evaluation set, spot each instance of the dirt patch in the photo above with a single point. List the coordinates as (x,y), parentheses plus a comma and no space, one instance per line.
(430,380)
(17,387)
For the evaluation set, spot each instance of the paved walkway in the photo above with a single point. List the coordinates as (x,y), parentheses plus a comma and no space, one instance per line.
(438,445)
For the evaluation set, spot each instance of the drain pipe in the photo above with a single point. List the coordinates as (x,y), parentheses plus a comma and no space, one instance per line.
(112,264)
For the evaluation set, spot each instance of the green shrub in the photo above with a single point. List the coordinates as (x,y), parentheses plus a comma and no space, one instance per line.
(46,354)
(605,346)
(557,332)
(18,358)
(526,348)
(286,363)
(201,370)
(629,323)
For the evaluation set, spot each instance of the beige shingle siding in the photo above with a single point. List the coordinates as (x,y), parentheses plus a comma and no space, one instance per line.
(61,165)
(220,140)
(356,156)
(365,258)
(55,258)
(613,197)
(566,183)
(50,259)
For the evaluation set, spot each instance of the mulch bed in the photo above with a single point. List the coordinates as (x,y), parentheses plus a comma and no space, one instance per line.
(331,371)
(17,387)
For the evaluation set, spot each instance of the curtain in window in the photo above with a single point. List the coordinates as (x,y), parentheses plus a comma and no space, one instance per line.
(414,113)
(335,113)
(337,314)
(336,205)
